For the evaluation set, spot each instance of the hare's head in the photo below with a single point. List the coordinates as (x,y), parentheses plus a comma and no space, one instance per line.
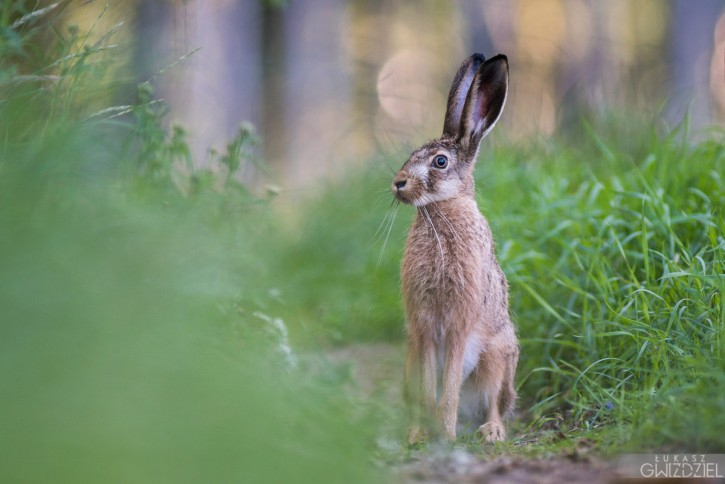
(443,168)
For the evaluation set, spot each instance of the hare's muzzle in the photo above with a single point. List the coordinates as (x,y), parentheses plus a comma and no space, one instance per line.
(399,183)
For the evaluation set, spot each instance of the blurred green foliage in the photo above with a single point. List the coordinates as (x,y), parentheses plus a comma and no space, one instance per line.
(135,343)
(335,278)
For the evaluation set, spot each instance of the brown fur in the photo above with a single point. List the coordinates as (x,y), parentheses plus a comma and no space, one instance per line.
(455,293)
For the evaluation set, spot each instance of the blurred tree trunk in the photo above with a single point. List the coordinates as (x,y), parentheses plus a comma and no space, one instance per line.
(151,43)
(367,55)
(316,84)
(274,64)
(209,53)
(477,36)
(591,83)
(692,40)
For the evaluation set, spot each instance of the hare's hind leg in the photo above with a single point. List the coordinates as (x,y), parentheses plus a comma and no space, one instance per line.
(419,387)
(496,377)
(507,397)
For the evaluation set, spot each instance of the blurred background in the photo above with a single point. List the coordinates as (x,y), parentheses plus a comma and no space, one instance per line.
(199,253)
(331,83)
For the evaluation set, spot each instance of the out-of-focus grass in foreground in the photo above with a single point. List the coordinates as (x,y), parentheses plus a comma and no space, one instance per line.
(135,344)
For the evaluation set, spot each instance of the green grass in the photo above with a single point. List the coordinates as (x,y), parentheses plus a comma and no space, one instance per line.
(617,284)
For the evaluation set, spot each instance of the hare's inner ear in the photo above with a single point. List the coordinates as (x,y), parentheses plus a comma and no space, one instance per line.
(459,92)
(485,101)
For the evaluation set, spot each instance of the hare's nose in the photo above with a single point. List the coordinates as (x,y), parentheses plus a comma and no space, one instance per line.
(399,183)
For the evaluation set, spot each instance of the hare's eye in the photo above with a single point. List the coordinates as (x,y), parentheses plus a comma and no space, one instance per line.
(440,161)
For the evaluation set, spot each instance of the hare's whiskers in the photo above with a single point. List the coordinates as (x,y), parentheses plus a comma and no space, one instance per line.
(387,236)
(380,231)
(450,226)
(435,232)
(455,236)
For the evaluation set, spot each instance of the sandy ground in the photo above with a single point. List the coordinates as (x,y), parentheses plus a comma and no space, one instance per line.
(459,466)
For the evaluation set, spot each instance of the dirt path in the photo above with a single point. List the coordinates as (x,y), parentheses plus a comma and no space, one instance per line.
(459,466)
(377,370)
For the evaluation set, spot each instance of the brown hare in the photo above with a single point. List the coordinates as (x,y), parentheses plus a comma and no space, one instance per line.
(455,293)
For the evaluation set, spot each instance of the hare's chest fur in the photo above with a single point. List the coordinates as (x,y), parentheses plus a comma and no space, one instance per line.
(447,256)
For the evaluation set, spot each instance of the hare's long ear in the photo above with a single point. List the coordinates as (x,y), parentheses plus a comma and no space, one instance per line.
(484,102)
(457,96)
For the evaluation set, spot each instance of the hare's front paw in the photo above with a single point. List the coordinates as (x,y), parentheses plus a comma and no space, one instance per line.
(417,435)
(491,432)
